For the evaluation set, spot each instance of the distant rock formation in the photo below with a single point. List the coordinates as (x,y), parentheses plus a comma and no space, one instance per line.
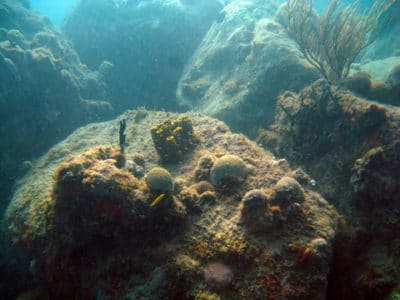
(388,42)
(45,91)
(243,63)
(148,42)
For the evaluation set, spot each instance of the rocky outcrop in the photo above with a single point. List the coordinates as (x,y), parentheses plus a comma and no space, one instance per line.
(84,224)
(388,41)
(243,63)
(378,80)
(350,147)
(148,42)
(45,91)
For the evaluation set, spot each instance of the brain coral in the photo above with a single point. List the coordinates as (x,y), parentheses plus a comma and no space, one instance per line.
(159,179)
(228,169)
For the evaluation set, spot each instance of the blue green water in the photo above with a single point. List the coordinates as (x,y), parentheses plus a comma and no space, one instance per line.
(106,58)
(55,10)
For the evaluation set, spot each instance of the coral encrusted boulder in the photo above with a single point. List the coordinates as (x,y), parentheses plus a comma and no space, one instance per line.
(350,146)
(84,225)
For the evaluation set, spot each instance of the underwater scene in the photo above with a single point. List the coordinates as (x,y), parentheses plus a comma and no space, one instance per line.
(199,149)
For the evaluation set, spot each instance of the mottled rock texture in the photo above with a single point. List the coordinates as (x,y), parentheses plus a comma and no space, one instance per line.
(350,146)
(45,91)
(243,63)
(82,225)
(388,42)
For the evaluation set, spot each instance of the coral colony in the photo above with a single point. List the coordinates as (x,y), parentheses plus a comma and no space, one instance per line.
(180,207)
(226,220)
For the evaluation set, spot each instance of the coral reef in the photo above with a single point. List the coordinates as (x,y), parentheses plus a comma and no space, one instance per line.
(352,158)
(93,208)
(173,138)
(82,226)
(348,126)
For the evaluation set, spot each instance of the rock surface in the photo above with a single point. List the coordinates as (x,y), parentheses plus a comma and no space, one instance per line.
(147,41)
(80,224)
(353,157)
(388,42)
(45,91)
(380,69)
(243,63)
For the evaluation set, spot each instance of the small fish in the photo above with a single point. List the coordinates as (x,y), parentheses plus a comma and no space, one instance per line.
(157,199)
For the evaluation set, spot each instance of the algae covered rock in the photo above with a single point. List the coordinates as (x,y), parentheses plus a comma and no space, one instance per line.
(393,80)
(287,192)
(92,196)
(243,63)
(253,213)
(362,84)
(387,42)
(352,156)
(81,225)
(348,126)
(375,176)
(204,166)
(375,182)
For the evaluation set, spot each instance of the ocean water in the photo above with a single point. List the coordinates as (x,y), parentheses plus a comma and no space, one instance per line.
(110,89)
(56,11)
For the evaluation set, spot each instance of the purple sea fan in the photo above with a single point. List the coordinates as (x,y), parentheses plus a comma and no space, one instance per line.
(218,275)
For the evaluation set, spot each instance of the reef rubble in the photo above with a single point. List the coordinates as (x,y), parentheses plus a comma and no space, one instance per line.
(83,225)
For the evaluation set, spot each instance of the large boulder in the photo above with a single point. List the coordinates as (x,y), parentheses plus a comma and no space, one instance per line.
(243,63)
(351,148)
(84,225)
(45,91)
(388,42)
(147,41)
